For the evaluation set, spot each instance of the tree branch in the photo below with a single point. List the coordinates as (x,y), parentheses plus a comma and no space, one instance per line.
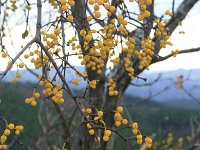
(160,58)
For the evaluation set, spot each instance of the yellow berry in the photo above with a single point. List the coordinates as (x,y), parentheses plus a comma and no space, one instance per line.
(70,18)
(107,132)
(57,31)
(36,94)
(15,79)
(3,138)
(146,13)
(89,18)
(18,75)
(98,139)
(97,14)
(140,17)
(7,132)
(134,131)
(21,65)
(17,132)
(139,141)
(33,103)
(124,121)
(91,132)
(118,123)
(148,140)
(63,2)
(135,125)
(96,7)
(88,37)
(96,118)
(4,147)
(120,109)
(112,9)
(41,83)
(4,54)
(105,138)
(21,128)
(139,137)
(91,2)
(89,126)
(148,2)
(75,82)
(11,126)
(88,111)
(71,2)
(100,113)
(148,145)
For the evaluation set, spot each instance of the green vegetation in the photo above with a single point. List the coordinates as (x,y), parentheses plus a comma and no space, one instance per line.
(13,108)
(153,118)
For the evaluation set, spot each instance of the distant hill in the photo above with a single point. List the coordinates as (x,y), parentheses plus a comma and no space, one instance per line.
(170,96)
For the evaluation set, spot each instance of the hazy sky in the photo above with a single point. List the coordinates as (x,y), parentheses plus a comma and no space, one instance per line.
(189,40)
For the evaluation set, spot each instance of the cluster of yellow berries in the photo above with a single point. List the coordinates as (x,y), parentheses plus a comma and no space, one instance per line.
(20,65)
(119,120)
(87,36)
(148,142)
(143,6)
(135,130)
(145,56)
(7,132)
(108,43)
(169,13)
(72,43)
(66,3)
(97,118)
(17,76)
(92,84)
(75,46)
(65,6)
(107,134)
(112,85)
(39,62)
(162,31)
(175,53)
(122,28)
(97,4)
(93,60)
(32,100)
(129,51)
(110,9)
(55,92)
(51,39)
(13,5)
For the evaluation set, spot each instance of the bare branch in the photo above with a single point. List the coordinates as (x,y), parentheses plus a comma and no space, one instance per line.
(160,58)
